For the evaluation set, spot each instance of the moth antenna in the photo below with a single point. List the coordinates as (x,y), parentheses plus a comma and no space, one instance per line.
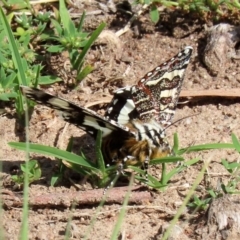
(180,120)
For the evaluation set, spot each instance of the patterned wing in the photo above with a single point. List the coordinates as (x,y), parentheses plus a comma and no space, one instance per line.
(122,108)
(83,118)
(156,94)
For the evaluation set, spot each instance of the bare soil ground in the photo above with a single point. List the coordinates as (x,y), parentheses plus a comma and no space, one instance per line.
(119,62)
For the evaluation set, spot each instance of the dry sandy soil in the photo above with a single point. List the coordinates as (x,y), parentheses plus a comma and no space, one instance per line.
(120,62)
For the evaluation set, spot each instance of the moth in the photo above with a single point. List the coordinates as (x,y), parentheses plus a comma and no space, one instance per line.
(133,128)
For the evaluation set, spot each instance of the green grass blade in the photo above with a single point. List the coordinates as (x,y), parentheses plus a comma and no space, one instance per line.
(155,183)
(100,160)
(154,14)
(70,145)
(37,71)
(54,152)
(91,40)
(171,159)
(136,169)
(191,162)
(7,96)
(65,17)
(236,143)
(25,222)
(122,213)
(185,202)
(58,29)
(173,172)
(15,53)
(175,143)
(81,21)
(81,75)
(208,146)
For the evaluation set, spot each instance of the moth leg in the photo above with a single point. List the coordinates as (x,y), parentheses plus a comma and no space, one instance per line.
(120,165)
(129,158)
(111,184)
(146,166)
(120,169)
(119,172)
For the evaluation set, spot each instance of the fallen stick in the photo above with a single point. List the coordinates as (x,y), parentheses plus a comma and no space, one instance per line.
(88,197)
(91,197)
(228,93)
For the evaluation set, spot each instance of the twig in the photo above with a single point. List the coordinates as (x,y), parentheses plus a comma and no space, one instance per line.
(103,101)
(88,197)
(135,16)
(115,195)
(228,93)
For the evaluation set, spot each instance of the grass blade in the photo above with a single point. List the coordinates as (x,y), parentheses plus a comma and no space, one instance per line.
(12,44)
(91,40)
(55,152)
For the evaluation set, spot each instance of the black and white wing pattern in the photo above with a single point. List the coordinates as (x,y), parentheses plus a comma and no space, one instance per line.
(155,96)
(133,125)
(83,118)
(122,108)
